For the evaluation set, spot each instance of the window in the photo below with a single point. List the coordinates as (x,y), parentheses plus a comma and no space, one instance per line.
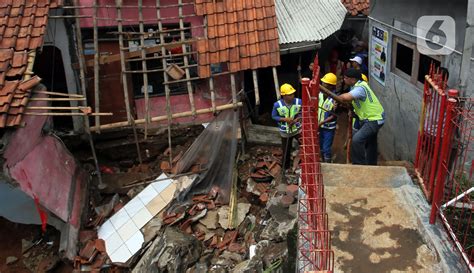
(404,58)
(410,64)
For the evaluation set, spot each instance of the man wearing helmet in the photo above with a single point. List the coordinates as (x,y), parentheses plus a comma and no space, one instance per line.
(326,117)
(287,113)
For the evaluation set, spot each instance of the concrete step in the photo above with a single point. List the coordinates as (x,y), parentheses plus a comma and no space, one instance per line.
(379,222)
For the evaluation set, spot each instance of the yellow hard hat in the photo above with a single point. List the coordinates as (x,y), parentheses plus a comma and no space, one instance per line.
(364,78)
(330,78)
(287,89)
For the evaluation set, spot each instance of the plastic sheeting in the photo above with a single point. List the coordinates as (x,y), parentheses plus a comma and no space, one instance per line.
(215,151)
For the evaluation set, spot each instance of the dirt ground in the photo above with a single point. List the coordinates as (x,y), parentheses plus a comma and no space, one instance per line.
(372,230)
(38,258)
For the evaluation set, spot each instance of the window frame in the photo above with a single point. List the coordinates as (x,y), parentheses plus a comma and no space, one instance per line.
(413,78)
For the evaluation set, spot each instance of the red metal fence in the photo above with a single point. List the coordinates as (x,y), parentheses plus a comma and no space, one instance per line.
(314,238)
(429,138)
(444,161)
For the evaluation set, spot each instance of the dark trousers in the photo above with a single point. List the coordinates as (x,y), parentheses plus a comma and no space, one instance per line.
(286,147)
(364,144)
(326,138)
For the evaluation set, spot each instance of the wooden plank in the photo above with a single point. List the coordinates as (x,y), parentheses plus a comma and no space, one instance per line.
(96,64)
(144,67)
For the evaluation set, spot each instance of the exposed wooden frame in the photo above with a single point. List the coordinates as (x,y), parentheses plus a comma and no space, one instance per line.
(144,67)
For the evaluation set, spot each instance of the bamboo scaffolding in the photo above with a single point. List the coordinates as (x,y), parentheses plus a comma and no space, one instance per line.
(118,5)
(144,67)
(165,117)
(255,87)
(185,58)
(213,94)
(135,136)
(58,94)
(96,64)
(165,77)
(275,81)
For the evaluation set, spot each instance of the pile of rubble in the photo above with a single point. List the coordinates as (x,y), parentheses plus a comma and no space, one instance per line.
(251,234)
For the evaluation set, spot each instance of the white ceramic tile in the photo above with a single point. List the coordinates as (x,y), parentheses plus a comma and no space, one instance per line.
(168,193)
(121,255)
(127,230)
(135,243)
(156,205)
(106,230)
(119,218)
(161,185)
(142,217)
(147,194)
(113,243)
(134,206)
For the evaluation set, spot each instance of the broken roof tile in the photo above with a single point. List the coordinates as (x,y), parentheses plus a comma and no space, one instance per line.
(9,88)
(30,83)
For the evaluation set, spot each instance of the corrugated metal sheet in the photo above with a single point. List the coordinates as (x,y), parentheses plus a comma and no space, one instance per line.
(308,20)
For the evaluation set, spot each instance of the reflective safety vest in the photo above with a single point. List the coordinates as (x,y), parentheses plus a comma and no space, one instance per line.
(370,109)
(289,112)
(326,105)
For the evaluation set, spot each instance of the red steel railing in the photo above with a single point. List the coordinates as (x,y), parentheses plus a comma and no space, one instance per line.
(433,112)
(444,161)
(314,238)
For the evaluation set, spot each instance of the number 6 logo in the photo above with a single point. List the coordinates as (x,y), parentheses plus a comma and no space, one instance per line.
(436,35)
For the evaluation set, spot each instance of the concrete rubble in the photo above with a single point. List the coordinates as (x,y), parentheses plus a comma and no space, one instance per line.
(204,235)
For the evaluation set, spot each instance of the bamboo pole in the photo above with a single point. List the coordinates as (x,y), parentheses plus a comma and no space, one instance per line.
(58,108)
(165,77)
(65,114)
(233,89)
(144,67)
(255,86)
(58,94)
(57,99)
(80,53)
(94,155)
(185,58)
(165,117)
(135,135)
(118,5)
(275,81)
(213,94)
(96,64)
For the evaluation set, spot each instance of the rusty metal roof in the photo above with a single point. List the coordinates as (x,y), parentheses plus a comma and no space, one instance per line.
(308,20)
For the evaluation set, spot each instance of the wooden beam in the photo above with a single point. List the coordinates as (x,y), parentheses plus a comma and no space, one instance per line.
(58,94)
(255,86)
(118,6)
(185,57)
(57,99)
(165,117)
(275,81)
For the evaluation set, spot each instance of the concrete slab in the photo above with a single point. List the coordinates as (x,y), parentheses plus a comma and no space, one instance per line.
(379,223)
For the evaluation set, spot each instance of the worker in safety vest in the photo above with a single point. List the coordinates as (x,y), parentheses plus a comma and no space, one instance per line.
(326,117)
(287,112)
(371,118)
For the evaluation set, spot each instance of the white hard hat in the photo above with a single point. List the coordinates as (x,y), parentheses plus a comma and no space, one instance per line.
(356,59)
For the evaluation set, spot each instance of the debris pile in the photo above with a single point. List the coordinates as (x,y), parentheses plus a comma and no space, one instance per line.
(250,234)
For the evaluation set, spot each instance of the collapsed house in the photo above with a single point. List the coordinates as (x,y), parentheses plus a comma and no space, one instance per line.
(92,66)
